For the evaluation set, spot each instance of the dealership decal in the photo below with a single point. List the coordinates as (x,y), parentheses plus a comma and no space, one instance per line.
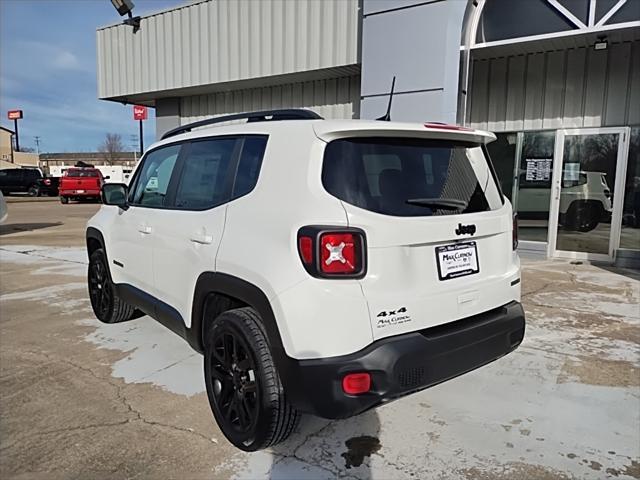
(392,317)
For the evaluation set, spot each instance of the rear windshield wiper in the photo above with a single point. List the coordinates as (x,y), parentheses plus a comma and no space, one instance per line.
(444,203)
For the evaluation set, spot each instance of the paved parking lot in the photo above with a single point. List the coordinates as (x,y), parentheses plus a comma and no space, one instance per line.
(79,399)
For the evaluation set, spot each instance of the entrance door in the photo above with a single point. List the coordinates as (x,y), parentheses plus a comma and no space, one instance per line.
(586,201)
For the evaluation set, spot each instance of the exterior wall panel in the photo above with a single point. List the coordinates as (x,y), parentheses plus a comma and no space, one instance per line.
(226,40)
(579,87)
(331,98)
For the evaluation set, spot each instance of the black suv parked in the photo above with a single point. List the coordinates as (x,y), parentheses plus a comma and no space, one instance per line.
(14,180)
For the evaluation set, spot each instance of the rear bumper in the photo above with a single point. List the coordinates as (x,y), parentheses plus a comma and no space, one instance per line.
(75,193)
(404,364)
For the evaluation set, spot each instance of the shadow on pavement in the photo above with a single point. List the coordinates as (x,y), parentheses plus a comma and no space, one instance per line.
(26,227)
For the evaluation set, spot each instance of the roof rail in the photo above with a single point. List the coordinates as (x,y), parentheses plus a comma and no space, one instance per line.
(262,116)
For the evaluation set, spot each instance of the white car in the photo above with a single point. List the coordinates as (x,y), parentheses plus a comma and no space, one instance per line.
(321,266)
(584,201)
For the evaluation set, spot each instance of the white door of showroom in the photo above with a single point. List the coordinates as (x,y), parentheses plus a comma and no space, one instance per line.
(587,195)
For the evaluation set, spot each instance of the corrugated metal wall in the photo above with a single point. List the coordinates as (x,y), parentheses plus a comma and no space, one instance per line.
(331,98)
(226,40)
(580,87)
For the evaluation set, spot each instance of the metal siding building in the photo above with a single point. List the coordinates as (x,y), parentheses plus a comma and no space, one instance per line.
(557,80)
(227,56)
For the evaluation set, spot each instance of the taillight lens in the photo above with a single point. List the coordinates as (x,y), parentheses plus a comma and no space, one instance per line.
(514,235)
(305,247)
(47,181)
(356,383)
(338,253)
(332,252)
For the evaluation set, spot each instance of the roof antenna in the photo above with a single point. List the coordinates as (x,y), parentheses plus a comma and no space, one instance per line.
(387,116)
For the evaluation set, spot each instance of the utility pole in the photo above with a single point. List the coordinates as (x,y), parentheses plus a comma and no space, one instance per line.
(37,140)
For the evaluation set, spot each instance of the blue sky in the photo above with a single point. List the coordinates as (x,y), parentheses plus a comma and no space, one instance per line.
(48,69)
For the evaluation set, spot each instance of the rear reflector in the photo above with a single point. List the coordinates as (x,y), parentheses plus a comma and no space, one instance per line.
(356,383)
(305,247)
(338,253)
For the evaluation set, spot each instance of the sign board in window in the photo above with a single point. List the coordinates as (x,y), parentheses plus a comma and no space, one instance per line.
(571,172)
(538,169)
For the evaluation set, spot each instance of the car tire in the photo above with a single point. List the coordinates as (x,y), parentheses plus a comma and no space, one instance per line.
(244,389)
(64,200)
(583,217)
(106,305)
(33,191)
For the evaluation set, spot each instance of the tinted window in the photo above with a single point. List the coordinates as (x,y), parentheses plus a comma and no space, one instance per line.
(153,181)
(203,183)
(249,166)
(410,177)
(82,173)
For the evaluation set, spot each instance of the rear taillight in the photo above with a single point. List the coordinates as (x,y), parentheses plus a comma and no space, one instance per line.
(305,247)
(514,235)
(332,252)
(338,253)
(47,181)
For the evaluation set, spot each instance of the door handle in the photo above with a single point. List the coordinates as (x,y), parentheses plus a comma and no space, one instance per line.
(144,228)
(201,237)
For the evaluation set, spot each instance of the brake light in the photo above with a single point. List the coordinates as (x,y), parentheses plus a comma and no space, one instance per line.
(338,253)
(514,235)
(47,181)
(446,126)
(332,252)
(356,383)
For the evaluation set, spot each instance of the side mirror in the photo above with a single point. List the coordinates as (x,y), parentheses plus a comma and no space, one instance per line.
(115,194)
(107,177)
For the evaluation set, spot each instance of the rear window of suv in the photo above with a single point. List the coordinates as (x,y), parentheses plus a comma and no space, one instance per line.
(81,173)
(409,177)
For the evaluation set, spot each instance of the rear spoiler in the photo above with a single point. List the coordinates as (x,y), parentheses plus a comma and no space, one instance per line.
(333,130)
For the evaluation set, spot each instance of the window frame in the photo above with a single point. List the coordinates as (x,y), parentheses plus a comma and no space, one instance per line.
(178,171)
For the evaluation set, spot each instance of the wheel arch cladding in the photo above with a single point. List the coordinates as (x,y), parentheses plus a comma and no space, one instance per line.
(218,292)
(95,240)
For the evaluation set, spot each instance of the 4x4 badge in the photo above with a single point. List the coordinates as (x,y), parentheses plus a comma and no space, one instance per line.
(465,229)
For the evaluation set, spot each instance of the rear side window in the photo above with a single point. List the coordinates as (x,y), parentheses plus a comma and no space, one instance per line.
(82,173)
(249,166)
(407,177)
(204,182)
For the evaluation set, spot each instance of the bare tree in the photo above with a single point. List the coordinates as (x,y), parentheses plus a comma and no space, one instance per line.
(111,146)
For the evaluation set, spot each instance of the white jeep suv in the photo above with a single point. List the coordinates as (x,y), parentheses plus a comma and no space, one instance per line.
(320,266)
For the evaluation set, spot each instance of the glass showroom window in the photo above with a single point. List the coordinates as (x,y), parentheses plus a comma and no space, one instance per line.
(630,237)
(534,185)
(503,156)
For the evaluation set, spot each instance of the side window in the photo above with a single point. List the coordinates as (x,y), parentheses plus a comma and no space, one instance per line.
(153,181)
(203,183)
(249,166)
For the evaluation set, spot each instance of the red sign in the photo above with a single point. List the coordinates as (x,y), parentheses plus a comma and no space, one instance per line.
(14,114)
(139,112)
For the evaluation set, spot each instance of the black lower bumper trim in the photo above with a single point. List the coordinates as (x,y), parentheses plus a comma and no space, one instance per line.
(405,363)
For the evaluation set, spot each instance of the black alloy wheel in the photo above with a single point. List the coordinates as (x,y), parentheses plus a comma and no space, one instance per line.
(233,377)
(246,396)
(100,289)
(107,306)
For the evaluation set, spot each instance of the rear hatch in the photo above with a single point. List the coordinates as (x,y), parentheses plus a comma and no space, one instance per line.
(438,231)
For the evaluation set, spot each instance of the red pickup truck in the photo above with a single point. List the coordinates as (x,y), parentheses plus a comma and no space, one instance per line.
(80,183)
